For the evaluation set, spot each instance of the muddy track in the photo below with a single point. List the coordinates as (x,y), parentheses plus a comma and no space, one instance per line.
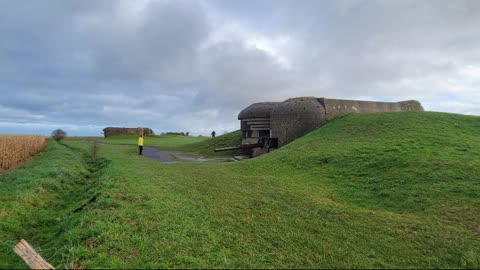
(165,156)
(172,156)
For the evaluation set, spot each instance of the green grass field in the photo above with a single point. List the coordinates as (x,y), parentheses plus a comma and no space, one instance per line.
(160,141)
(203,146)
(384,190)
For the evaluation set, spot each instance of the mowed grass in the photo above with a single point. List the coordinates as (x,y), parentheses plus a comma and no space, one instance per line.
(37,202)
(389,190)
(166,142)
(206,147)
(203,146)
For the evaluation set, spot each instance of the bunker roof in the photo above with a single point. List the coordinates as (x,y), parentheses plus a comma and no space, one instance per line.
(258,110)
(300,106)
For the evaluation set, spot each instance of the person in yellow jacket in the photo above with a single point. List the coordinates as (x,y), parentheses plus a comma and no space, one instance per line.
(140,144)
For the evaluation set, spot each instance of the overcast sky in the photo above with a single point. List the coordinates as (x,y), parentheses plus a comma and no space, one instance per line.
(175,65)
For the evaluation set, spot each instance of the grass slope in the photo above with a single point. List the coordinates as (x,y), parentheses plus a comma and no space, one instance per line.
(386,190)
(203,146)
(206,148)
(38,200)
(161,141)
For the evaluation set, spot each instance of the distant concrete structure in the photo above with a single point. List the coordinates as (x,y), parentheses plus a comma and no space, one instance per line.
(114,131)
(286,121)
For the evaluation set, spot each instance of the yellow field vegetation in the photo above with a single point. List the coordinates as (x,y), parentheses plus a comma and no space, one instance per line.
(15,149)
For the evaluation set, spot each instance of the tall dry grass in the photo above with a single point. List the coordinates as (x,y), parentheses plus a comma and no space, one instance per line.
(15,149)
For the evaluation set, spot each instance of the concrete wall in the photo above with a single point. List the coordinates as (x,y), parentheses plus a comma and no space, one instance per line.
(339,107)
(254,128)
(255,121)
(114,131)
(296,117)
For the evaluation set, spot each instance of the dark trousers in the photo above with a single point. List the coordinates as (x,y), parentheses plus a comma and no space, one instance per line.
(140,149)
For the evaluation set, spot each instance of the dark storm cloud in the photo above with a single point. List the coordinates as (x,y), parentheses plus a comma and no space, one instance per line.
(192,65)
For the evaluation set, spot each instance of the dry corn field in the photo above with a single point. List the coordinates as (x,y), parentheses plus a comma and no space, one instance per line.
(15,149)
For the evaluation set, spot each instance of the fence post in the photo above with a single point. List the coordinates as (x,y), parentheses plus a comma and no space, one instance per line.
(30,256)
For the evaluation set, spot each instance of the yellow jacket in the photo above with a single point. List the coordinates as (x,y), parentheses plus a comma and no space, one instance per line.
(140,141)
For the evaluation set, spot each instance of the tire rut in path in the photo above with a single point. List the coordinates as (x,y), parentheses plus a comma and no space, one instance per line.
(173,157)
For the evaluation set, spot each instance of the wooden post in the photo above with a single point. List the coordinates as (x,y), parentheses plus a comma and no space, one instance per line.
(30,256)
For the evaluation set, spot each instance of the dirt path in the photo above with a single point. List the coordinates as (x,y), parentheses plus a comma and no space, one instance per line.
(172,156)
(165,156)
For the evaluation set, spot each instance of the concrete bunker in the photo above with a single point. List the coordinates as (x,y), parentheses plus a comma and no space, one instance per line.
(114,131)
(255,121)
(270,125)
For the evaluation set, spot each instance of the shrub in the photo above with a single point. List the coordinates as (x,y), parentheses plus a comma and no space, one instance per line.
(176,133)
(58,134)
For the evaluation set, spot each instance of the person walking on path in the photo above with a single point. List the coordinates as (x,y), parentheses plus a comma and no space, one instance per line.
(140,144)
(213,134)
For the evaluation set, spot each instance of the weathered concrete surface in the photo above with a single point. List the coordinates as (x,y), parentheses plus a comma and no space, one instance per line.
(339,107)
(113,131)
(256,121)
(258,110)
(295,117)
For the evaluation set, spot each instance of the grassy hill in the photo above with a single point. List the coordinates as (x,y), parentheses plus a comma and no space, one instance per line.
(203,146)
(384,190)
(396,160)
(206,148)
(167,141)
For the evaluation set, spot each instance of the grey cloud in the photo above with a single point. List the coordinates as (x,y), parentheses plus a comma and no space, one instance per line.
(241,74)
(157,43)
(157,64)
